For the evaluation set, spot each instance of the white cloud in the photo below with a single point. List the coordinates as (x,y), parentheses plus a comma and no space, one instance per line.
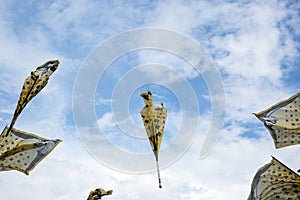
(248,41)
(86,23)
(181,67)
(103,101)
(106,121)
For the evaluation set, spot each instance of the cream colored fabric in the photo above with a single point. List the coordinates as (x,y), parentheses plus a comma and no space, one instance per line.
(23,151)
(154,119)
(20,150)
(98,193)
(275,181)
(33,85)
(283,121)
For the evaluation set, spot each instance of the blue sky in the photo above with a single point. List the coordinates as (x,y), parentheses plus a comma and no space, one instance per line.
(253,45)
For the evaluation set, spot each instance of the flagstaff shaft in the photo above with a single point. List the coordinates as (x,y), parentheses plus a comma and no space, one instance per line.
(158,173)
(159,180)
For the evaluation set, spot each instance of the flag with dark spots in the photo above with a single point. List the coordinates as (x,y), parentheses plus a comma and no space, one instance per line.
(98,193)
(22,151)
(283,121)
(33,84)
(275,181)
(154,119)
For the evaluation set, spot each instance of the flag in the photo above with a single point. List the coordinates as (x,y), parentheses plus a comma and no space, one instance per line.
(22,151)
(98,193)
(33,85)
(154,119)
(283,121)
(275,181)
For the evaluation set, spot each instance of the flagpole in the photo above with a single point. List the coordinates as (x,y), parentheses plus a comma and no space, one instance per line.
(159,180)
(158,173)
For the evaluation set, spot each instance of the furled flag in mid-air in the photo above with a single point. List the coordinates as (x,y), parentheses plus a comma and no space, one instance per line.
(275,181)
(154,119)
(23,151)
(33,84)
(98,193)
(20,150)
(283,121)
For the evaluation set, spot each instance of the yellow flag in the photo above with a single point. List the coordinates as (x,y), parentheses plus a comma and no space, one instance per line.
(98,193)
(154,119)
(33,85)
(275,181)
(22,151)
(283,121)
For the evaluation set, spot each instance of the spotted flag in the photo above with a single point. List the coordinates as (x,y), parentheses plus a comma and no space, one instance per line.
(283,121)
(33,84)
(98,193)
(275,181)
(154,118)
(22,151)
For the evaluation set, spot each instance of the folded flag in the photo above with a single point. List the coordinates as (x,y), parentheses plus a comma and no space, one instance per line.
(154,119)
(283,121)
(22,151)
(98,193)
(275,181)
(33,85)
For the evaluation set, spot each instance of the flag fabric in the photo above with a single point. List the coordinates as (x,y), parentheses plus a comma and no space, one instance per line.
(33,85)
(154,119)
(98,193)
(283,121)
(275,181)
(22,151)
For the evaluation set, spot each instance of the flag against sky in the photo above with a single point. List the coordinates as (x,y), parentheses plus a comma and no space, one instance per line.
(23,151)
(275,181)
(154,119)
(33,84)
(229,32)
(98,193)
(283,121)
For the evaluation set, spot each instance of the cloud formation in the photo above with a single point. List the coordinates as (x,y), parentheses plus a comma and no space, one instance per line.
(254,45)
